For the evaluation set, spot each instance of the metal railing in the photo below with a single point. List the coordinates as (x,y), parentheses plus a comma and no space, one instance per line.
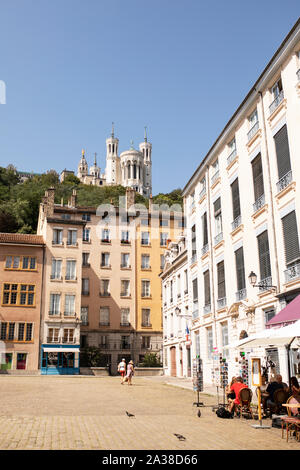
(253,131)
(203,191)
(194,258)
(293,272)
(241,294)
(215,177)
(265,284)
(237,222)
(284,181)
(222,302)
(206,309)
(276,102)
(231,157)
(205,249)
(259,203)
(218,238)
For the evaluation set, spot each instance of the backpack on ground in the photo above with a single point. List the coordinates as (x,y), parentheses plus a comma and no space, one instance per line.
(223,413)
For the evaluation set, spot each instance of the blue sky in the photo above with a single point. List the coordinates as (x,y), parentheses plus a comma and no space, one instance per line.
(181,68)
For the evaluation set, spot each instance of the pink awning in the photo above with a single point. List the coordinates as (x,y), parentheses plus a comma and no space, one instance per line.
(288,314)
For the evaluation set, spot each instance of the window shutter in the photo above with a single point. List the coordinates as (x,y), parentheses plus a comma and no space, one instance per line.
(282,152)
(240,271)
(221,280)
(235,199)
(195,289)
(217,207)
(264,255)
(206,288)
(290,235)
(204,228)
(258,180)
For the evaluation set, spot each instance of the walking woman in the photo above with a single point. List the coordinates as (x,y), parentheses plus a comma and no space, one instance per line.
(130,373)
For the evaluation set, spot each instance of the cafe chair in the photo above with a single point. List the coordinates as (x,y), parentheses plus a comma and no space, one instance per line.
(245,397)
(292,421)
(280,396)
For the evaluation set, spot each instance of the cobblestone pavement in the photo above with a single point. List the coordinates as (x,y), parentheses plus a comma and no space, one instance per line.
(90,413)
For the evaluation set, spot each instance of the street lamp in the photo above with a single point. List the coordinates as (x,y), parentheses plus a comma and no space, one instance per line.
(178,314)
(263,285)
(252,279)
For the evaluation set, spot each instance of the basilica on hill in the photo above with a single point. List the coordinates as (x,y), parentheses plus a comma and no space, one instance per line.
(132,168)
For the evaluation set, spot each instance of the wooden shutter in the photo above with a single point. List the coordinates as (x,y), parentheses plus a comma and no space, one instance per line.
(290,235)
(195,289)
(204,227)
(282,152)
(206,288)
(235,199)
(258,180)
(264,255)
(240,270)
(221,280)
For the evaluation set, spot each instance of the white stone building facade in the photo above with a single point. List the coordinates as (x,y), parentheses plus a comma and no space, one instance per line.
(242,215)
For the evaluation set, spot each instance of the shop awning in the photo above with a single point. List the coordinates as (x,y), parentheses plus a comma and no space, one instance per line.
(289,314)
(61,349)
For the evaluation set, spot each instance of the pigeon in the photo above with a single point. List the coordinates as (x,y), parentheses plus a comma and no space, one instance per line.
(199,413)
(130,415)
(180,437)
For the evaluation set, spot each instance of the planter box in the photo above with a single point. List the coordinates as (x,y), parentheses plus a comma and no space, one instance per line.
(148,371)
(98,371)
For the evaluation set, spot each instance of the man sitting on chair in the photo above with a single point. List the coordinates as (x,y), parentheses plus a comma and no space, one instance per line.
(271,389)
(236,387)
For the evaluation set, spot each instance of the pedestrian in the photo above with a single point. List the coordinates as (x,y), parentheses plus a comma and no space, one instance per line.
(130,373)
(122,369)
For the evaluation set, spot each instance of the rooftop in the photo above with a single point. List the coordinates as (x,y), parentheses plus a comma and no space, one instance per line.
(21,238)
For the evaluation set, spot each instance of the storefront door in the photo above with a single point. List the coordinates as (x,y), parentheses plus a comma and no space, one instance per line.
(21,361)
(173,361)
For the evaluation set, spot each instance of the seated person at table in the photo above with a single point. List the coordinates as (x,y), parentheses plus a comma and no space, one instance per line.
(271,389)
(295,388)
(230,395)
(236,387)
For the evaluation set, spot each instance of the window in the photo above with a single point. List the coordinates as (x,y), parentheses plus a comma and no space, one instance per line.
(53,335)
(68,335)
(57,236)
(125,316)
(71,270)
(277,89)
(72,237)
(218,216)
(54,304)
(206,288)
(3,331)
(125,288)
(29,329)
(258,180)
(163,239)
(290,236)
(86,217)
(146,317)
(145,261)
(164,223)
(179,286)
(145,240)
(104,288)
(282,152)
(195,297)
(269,314)
(105,235)
(225,342)
(204,229)
(186,284)
(125,258)
(85,259)
(103,340)
(21,331)
(66,216)
(18,295)
(105,260)
(11,331)
(125,342)
(21,360)
(104,316)
(145,222)
(85,286)
(240,271)
(86,234)
(7,363)
(162,261)
(125,236)
(194,245)
(221,280)
(56,269)
(171,291)
(210,343)
(26,263)
(70,305)
(264,255)
(197,343)
(146,342)
(84,316)
(235,199)
(232,145)
(253,118)
(145,288)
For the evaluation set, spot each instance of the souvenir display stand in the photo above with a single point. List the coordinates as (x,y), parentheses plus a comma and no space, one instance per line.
(198,379)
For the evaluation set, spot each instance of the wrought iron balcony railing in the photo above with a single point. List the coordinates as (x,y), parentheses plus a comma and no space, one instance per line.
(206,309)
(253,131)
(293,272)
(203,191)
(274,105)
(231,157)
(205,249)
(241,294)
(284,181)
(259,203)
(215,177)
(237,222)
(222,302)
(265,284)
(218,238)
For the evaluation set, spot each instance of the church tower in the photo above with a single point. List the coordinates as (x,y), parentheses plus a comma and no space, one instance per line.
(82,170)
(146,149)
(112,159)
(94,169)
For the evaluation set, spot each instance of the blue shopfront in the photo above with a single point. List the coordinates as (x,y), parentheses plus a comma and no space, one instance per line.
(59,359)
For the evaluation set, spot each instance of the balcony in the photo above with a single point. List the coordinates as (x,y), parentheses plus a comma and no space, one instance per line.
(57,243)
(104,294)
(236,223)
(58,340)
(54,313)
(231,157)
(241,294)
(55,277)
(105,240)
(265,284)
(125,266)
(215,177)
(259,203)
(218,238)
(72,243)
(125,346)
(125,323)
(284,181)
(194,258)
(222,302)
(70,278)
(292,273)
(253,131)
(204,249)
(202,193)
(68,341)
(70,314)
(104,323)
(53,340)
(206,309)
(125,242)
(146,325)
(274,105)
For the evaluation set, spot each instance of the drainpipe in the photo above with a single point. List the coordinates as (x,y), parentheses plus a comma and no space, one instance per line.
(271,194)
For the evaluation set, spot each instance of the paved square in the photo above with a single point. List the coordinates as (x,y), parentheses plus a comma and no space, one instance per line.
(90,413)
